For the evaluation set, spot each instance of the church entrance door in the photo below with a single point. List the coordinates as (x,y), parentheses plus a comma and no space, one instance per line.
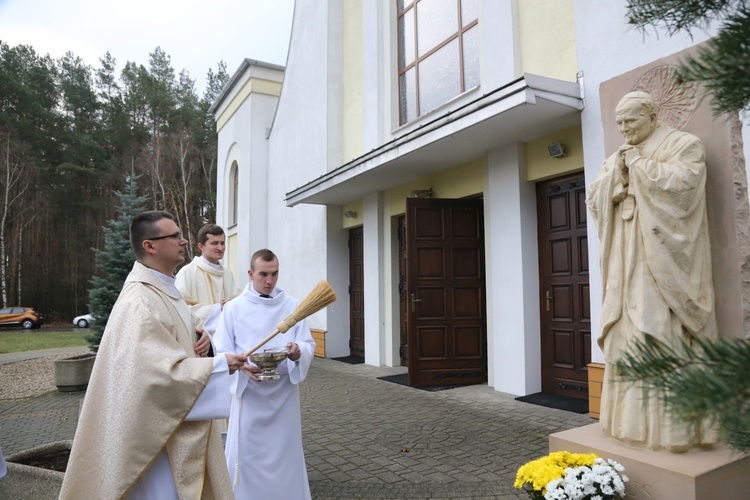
(564,286)
(356,293)
(445,292)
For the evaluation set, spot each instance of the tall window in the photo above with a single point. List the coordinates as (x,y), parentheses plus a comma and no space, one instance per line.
(438,53)
(235,194)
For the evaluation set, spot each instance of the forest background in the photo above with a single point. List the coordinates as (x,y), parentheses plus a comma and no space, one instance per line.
(71,137)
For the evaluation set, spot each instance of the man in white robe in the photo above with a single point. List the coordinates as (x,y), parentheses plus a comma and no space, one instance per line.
(649,207)
(204,283)
(264,442)
(145,428)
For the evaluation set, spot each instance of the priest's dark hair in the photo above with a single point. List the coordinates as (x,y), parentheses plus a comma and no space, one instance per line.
(212,229)
(143,227)
(264,254)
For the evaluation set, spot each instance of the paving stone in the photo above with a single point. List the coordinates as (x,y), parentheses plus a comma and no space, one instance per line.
(466,442)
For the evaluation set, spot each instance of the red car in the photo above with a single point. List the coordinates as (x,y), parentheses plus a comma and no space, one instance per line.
(26,317)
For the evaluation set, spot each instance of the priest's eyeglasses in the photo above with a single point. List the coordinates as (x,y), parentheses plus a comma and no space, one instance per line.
(177,236)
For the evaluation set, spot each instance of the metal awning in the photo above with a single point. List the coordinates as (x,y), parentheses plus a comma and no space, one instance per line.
(523,110)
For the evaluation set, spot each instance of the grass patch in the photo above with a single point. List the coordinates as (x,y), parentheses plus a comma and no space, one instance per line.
(33,340)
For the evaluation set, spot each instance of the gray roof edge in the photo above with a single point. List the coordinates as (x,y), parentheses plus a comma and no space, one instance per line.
(244,65)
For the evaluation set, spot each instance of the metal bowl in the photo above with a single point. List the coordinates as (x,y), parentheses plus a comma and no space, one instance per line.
(268,360)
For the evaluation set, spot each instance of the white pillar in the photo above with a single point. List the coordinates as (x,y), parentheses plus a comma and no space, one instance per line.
(372,235)
(513,323)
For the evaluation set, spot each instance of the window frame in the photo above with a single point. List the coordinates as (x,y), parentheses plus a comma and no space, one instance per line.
(458,34)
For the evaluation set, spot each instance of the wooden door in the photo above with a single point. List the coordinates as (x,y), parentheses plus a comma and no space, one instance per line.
(446,321)
(402,286)
(356,294)
(564,286)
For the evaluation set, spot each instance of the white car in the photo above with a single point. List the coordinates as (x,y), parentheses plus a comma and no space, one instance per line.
(83,321)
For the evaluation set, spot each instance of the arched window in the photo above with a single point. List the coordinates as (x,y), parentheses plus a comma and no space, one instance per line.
(233,200)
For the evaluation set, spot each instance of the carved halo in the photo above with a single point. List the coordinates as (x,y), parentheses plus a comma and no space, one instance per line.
(676,101)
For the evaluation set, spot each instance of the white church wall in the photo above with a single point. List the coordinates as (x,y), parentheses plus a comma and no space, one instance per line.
(298,152)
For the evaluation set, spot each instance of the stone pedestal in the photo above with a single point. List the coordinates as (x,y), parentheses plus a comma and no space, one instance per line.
(696,475)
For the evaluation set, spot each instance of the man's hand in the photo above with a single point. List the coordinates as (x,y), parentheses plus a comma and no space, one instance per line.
(236,362)
(294,352)
(250,371)
(204,343)
(223,301)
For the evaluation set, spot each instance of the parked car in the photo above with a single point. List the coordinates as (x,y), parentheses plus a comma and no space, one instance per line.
(27,317)
(83,321)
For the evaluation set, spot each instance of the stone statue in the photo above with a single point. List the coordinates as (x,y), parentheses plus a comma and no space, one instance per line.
(649,207)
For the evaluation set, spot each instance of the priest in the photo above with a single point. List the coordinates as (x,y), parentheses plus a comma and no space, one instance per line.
(145,429)
(205,284)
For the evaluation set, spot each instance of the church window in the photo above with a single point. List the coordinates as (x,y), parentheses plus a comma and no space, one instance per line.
(233,206)
(438,53)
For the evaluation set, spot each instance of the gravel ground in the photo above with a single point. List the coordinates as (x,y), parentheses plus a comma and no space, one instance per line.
(29,378)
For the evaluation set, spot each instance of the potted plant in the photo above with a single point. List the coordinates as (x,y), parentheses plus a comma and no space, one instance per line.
(567,476)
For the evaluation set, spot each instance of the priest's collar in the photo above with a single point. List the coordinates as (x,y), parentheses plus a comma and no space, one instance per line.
(209,263)
(167,280)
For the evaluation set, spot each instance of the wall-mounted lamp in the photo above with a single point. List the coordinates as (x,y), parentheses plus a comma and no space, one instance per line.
(556,150)
(422,193)
(350,214)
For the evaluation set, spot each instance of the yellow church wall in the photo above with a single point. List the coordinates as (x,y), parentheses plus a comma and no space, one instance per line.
(253,85)
(547,38)
(458,182)
(355,208)
(540,166)
(232,253)
(353,82)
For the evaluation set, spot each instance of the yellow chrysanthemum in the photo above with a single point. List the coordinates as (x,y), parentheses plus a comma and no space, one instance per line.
(538,473)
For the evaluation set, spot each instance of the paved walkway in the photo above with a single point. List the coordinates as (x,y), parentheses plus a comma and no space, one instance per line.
(367,438)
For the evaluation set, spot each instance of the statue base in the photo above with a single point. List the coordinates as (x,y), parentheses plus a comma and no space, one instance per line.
(696,475)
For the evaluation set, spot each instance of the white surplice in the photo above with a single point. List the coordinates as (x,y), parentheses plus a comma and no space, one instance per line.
(264,443)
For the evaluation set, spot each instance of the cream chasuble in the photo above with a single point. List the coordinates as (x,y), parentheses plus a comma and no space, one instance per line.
(203,287)
(656,268)
(264,442)
(145,381)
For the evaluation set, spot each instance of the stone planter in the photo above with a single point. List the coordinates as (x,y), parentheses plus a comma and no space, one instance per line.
(72,374)
(34,481)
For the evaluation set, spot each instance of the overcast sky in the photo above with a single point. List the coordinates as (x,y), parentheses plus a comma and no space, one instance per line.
(196,34)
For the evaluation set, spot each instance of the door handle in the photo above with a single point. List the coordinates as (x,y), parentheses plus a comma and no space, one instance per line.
(548,297)
(413,302)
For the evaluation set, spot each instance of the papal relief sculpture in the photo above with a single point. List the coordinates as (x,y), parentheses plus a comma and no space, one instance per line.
(649,207)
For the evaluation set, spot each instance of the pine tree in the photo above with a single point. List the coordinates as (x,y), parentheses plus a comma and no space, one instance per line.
(723,64)
(703,379)
(114,262)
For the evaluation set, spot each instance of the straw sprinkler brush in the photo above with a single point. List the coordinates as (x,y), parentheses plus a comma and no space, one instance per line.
(320,296)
